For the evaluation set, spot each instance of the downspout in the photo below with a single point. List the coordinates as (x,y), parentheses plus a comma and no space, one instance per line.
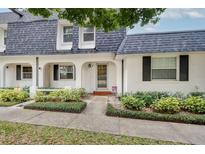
(122,76)
(37,71)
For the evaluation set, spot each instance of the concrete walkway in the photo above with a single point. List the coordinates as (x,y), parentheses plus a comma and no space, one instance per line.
(93,118)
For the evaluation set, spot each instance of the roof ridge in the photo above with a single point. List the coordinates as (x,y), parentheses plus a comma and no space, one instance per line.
(6,13)
(121,46)
(168,32)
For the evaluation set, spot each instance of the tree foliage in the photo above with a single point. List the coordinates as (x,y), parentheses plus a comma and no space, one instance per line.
(108,19)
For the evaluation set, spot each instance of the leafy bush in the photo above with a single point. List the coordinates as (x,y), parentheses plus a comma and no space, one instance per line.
(61,95)
(13,96)
(41,97)
(149,97)
(132,103)
(195,104)
(179,95)
(73,107)
(82,92)
(167,105)
(202,94)
(180,118)
(26,89)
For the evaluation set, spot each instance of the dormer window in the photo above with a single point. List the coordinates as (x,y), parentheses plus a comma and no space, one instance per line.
(5,36)
(67,34)
(87,37)
(88,34)
(64,35)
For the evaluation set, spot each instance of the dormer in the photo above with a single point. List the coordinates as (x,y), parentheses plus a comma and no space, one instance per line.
(87,37)
(3,37)
(64,35)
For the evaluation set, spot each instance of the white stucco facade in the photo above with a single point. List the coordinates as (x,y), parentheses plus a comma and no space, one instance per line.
(2,45)
(133,74)
(86,72)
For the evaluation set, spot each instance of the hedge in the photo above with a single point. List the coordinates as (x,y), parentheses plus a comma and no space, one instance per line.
(73,107)
(7,104)
(179,118)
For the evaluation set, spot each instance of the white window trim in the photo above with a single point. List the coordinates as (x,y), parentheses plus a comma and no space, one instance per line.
(68,72)
(22,66)
(3,27)
(62,35)
(61,45)
(152,57)
(86,44)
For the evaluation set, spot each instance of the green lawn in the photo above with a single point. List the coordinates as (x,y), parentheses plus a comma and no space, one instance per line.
(6,104)
(16,133)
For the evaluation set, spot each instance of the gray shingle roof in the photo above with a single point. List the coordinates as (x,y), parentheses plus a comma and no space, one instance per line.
(9,17)
(182,41)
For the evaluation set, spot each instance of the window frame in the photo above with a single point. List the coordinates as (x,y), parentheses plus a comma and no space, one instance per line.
(22,73)
(176,68)
(83,32)
(63,34)
(86,44)
(59,73)
(5,36)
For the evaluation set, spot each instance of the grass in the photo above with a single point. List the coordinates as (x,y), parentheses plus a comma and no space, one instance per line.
(7,104)
(180,118)
(73,107)
(17,133)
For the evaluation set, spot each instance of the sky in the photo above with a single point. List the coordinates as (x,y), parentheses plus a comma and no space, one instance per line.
(171,20)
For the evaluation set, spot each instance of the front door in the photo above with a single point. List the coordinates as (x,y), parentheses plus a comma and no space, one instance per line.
(102,76)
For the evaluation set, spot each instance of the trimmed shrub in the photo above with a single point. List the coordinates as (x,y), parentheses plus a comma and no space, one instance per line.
(179,95)
(180,118)
(202,94)
(132,103)
(195,104)
(167,105)
(13,96)
(149,97)
(61,95)
(82,92)
(66,95)
(73,107)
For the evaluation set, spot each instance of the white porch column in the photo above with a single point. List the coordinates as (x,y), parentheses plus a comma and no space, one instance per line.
(119,76)
(33,87)
(78,74)
(41,75)
(2,75)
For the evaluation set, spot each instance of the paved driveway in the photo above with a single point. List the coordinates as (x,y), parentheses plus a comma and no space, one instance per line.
(94,119)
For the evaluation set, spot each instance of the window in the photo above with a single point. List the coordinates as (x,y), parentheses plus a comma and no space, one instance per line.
(88,34)
(27,72)
(5,36)
(66,72)
(164,68)
(67,34)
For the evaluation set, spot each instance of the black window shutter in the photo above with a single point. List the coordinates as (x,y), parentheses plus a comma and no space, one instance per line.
(18,72)
(146,68)
(55,72)
(184,68)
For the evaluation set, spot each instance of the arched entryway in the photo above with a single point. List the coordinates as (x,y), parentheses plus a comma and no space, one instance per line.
(59,75)
(18,75)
